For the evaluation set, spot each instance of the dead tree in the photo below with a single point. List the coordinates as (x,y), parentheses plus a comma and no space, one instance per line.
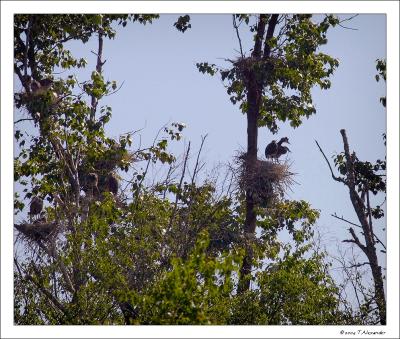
(363,211)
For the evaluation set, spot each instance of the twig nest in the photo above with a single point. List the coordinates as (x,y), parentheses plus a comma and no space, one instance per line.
(37,230)
(267,181)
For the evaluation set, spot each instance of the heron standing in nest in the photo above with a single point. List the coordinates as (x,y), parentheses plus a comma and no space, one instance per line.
(275,149)
(112,183)
(271,149)
(36,207)
(92,181)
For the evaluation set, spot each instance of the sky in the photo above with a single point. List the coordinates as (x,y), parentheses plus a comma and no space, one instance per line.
(161,84)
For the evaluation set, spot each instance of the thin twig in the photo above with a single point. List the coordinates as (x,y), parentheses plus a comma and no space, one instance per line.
(25,119)
(351,223)
(237,34)
(113,92)
(348,19)
(196,170)
(180,186)
(327,161)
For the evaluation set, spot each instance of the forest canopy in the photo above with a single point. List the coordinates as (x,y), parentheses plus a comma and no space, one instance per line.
(100,239)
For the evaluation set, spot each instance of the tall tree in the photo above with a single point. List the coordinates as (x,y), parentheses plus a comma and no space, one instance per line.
(364,178)
(273,83)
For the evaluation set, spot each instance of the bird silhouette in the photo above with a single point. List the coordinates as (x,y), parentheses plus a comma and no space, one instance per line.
(41,86)
(45,84)
(275,149)
(282,149)
(92,181)
(36,207)
(271,149)
(112,183)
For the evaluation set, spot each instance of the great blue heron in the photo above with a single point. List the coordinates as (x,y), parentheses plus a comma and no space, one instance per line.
(45,84)
(275,149)
(92,181)
(271,149)
(41,86)
(112,183)
(36,207)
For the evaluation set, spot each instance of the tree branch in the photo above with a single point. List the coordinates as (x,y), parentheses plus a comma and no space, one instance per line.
(259,36)
(351,223)
(99,66)
(180,186)
(237,34)
(327,161)
(270,33)
(357,241)
(25,119)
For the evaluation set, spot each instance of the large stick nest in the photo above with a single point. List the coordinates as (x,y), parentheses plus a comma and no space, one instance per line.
(266,181)
(37,230)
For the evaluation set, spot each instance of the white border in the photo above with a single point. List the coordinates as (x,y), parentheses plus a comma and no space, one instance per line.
(391,8)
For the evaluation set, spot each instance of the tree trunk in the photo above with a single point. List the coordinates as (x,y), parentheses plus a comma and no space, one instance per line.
(254,87)
(369,247)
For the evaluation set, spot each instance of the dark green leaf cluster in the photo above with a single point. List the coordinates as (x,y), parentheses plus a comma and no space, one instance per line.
(368,176)
(183,23)
(381,68)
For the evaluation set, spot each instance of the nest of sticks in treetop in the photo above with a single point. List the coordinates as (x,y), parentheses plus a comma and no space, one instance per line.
(267,180)
(246,65)
(37,230)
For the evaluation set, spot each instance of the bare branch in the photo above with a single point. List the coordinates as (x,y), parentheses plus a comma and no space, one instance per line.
(196,170)
(348,19)
(25,119)
(327,161)
(235,25)
(180,186)
(351,223)
(357,241)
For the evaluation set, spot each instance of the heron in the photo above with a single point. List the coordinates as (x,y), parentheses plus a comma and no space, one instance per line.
(112,183)
(41,86)
(282,149)
(271,149)
(46,83)
(275,149)
(92,180)
(36,206)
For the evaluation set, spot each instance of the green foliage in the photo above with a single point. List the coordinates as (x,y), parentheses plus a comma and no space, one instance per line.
(381,68)
(183,23)
(368,175)
(299,291)
(190,292)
